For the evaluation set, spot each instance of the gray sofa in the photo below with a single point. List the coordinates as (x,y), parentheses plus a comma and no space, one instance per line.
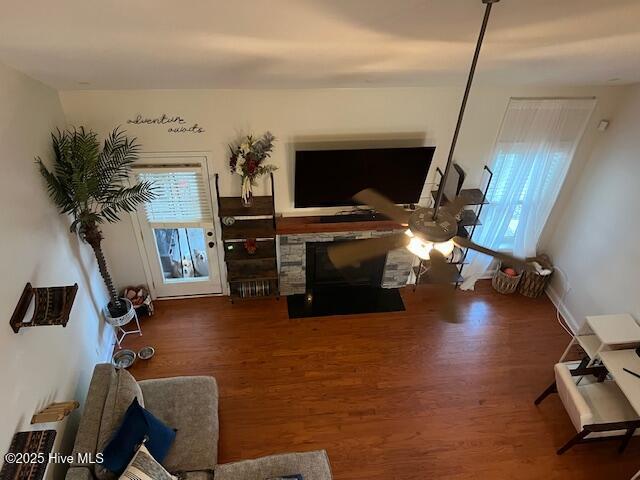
(188,404)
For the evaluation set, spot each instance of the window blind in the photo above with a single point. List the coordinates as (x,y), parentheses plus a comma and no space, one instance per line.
(181,196)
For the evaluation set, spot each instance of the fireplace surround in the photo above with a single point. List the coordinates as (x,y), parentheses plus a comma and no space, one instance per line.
(293,259)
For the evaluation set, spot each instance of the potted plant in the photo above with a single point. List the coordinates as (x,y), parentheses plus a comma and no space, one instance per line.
(90,185)
(247,160)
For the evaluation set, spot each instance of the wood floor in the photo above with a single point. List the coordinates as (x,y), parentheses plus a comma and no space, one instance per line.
(389,396)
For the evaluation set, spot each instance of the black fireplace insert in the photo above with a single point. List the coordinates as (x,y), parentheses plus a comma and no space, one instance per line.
(347,291)
(321,273)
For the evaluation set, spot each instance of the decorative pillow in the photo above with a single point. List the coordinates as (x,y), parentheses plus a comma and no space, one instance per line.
(122,391)
(144,467)
(138,426)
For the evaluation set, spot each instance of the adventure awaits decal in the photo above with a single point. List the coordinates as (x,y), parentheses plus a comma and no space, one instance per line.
(175,123)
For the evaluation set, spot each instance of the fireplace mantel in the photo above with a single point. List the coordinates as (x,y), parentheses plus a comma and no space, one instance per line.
(313,224)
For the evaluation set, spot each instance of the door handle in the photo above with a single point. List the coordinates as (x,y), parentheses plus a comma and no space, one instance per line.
(211,244)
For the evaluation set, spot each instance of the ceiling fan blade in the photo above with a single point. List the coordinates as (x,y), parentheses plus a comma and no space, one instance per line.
(383,205)
(503,257)
(440,269)
(357,251)
(441,274)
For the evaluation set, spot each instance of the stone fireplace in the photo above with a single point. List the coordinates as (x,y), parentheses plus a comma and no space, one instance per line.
(301,255)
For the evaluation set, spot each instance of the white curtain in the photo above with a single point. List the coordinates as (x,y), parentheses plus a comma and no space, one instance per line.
(530,159)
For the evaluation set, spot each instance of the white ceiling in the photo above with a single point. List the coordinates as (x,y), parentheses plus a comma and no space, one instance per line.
(117,44)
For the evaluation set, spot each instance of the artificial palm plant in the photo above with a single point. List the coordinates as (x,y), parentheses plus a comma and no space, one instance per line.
(90,184)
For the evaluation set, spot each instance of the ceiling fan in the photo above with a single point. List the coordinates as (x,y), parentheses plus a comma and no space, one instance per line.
(432,233)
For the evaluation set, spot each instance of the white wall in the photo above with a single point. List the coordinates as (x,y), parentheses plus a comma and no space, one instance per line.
(40,364)
(595,242)
(422,115)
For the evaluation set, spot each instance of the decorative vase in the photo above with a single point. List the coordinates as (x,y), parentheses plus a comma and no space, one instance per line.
(247,193)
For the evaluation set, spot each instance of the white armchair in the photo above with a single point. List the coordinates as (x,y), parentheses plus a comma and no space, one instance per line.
(597,408)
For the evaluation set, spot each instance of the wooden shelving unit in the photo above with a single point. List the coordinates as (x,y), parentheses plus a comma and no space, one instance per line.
(469,219)
(266,250)
(243,229)
(232,206)
(250,275)
(475,199)
(471,196)
(253,272)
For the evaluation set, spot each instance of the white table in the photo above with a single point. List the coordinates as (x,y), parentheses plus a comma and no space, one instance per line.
(607,331)
(613,330)
(615,361)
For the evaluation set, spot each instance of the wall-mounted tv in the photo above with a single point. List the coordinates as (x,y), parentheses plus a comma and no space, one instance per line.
(329,178)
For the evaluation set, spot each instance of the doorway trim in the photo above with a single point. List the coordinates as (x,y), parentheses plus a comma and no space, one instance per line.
(151,158)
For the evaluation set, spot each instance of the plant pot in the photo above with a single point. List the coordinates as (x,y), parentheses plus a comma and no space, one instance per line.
(116,311)
(117,319)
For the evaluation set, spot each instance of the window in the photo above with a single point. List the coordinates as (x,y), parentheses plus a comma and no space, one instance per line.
(181,196)
(507,163)
(530,160)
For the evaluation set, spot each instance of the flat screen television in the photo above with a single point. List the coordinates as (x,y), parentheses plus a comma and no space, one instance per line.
(330,178)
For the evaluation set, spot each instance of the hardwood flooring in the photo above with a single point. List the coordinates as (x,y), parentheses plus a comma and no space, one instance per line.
(389,396)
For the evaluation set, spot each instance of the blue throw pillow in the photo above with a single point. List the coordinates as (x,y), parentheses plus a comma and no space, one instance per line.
(137,424)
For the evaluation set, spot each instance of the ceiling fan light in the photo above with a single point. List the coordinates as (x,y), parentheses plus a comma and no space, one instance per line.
(420,248)
(446,248)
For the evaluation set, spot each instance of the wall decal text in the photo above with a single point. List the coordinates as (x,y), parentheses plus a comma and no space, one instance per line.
(176,123)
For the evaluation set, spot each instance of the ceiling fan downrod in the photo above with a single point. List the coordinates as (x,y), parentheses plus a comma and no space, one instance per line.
(463,106)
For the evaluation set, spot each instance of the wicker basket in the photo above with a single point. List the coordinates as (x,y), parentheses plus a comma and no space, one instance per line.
(533,284)
(503,283)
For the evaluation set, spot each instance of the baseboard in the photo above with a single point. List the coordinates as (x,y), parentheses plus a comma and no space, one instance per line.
(556,299)
(108,344)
